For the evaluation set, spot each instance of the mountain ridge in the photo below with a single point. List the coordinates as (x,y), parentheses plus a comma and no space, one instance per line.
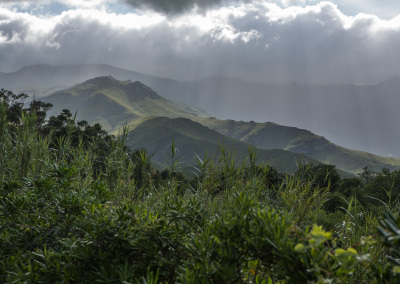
(363,117)
(192,138)
(115,103)
(299,141)
(44,79)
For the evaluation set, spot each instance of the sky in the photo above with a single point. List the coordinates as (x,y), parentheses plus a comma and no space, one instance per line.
(338,41)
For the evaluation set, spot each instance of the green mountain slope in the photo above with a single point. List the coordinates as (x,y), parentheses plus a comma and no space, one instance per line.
(273,136)
(191,138)
(113,103)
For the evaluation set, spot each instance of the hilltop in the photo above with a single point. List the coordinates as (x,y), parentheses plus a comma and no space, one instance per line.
(113,103)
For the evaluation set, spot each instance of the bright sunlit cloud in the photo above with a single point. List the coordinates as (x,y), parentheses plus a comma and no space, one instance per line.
(385,9)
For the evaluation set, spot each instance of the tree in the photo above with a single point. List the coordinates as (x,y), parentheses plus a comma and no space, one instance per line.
(40,109)
(14,104)
(367,174)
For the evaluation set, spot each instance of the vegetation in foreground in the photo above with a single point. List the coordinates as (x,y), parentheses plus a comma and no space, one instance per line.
(77,206)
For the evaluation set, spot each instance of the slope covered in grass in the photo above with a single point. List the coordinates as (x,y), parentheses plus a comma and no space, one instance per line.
(192,138)
(274,136)
(113,103)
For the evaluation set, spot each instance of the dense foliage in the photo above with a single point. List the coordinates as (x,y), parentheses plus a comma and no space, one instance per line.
(77,206)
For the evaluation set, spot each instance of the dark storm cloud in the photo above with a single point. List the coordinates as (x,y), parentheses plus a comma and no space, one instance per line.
(174,6)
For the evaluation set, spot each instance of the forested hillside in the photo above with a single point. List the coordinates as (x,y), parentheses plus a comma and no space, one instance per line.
(78,206)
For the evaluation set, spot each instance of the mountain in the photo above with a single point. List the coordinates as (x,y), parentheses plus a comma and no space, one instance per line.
(113,103)
(358,117)
(43,79)
(191,138)
(154,122)
(274,136)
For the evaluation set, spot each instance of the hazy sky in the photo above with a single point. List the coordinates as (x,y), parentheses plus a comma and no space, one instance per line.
(286,40)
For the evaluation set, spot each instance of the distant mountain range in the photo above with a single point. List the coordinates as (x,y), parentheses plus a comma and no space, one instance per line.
(155,121)
(357,117)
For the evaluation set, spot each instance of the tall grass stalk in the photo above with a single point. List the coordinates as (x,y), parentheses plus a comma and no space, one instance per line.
(300,197)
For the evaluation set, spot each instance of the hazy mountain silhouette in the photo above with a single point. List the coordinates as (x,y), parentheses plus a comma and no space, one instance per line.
(44,79)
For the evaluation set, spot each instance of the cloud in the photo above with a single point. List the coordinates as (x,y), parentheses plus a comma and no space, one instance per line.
(256,41)
(288,3)
(174,6)
(386,9)
(70,3)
